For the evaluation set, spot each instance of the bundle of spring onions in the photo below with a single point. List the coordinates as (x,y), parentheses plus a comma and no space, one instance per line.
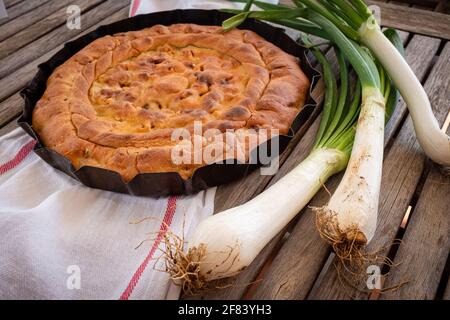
(350,134)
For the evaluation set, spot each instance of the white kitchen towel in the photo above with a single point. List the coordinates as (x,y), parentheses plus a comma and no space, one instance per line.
(147,6)
(62,240)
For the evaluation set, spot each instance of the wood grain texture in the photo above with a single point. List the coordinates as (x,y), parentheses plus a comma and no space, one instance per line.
(15,20)
(14,39)
(9,127)
(12,106)
(59,35)
(10,109)
(10,3)
(426,244)
(414,20)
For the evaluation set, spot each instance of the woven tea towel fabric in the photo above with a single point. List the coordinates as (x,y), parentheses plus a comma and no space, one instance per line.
(62,240)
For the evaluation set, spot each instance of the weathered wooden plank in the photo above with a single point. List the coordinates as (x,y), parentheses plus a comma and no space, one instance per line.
(414,20)
(12,106)
(10,109)
(9,127)
(10,3)
(57,36)
(29,18)
(402,170)
(15,81)
(426,243)
(415,2)
(20,9)
(16,34)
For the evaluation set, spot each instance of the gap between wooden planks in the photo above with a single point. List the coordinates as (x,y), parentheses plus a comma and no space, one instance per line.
(10,3)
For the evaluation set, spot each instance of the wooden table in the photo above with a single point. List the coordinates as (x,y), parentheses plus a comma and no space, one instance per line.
(297,264)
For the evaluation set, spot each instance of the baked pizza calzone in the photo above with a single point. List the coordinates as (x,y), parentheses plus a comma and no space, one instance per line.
(116,103)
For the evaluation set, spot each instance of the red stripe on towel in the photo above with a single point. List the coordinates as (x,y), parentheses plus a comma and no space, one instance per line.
(134,8)
(18,158)
(170,210)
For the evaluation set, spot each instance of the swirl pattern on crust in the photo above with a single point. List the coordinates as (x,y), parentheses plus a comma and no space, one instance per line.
(116,103)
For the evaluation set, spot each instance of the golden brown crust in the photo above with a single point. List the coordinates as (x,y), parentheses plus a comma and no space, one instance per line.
(116,103)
